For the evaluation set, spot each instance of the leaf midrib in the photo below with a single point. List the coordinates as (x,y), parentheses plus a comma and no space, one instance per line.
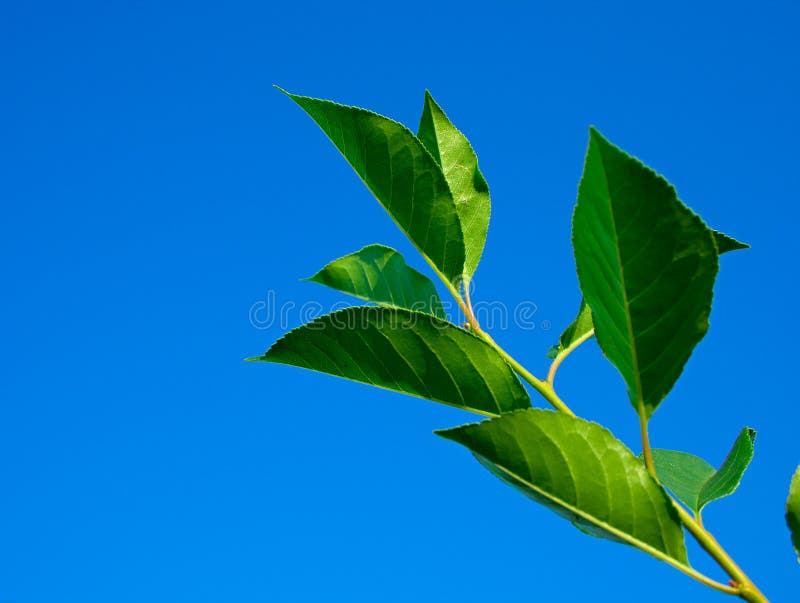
(430,262)
(591,519)
(626,307)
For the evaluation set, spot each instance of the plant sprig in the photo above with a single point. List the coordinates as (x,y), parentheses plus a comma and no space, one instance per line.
(646,265)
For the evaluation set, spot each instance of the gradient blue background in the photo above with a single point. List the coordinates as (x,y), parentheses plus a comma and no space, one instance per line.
(154,187)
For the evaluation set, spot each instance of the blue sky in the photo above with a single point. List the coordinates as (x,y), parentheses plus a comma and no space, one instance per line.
(155,189)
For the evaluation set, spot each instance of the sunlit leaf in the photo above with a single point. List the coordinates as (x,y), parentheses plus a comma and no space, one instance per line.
(401,174)
(582,472)
(646,265)
(408,352)
(793,512)
(453,152)
(380,274)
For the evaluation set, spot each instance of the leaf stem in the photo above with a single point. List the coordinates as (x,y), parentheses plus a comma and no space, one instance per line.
(544,388)
(744,586)
(647,453)
(551,374)
(468,307)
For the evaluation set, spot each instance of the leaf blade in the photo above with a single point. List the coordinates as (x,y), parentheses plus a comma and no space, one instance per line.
(725,243)
(402,176)
(728,477)
(577,329)
(453,152)
(683,473)
(557,460)
(695,482)
(793,512)
(380,274)
(406,352)
(646,265)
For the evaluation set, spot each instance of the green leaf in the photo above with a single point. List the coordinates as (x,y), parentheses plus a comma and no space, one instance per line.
(726,243)
(401,174)
(575,331)
(728,477)
(694,481)
(793,511)
(453,152)
(407,352)
(583,322)
(379,274)
(582,472)
(646,265)
(683,473)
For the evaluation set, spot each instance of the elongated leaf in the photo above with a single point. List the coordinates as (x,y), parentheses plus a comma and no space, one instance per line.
(583,322)
(577,329)
(646,265)
(453,152)
(401,174)
(694,481)
(728,477)
(379,274)
(580,471)
(793,511)
(407,352)
(726,243)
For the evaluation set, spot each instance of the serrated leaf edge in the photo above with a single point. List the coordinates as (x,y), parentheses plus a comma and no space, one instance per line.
(694,216)
(312,279)
(612,530)
(430,262)
(263,357)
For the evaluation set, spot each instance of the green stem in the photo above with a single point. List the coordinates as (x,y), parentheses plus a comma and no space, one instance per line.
(544,388)
(551,374)
(744,586)
(647,453)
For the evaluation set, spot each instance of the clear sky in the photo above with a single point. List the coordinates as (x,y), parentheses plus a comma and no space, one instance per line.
(157,192)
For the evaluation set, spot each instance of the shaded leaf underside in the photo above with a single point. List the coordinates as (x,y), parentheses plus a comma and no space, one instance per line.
(694,481)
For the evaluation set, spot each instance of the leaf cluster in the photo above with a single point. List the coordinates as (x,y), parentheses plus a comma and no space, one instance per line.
(646,265)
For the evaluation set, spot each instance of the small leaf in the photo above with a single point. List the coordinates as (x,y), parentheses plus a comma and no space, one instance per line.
(694,481)
(401,174)
(646,265)
(726,243)
(582,472)
(453,152)
(577,329)
(683,473)
(407,352)
(380,274)
(793,511)
(728,477)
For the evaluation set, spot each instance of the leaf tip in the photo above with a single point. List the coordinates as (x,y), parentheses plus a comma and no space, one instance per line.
(285,92)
